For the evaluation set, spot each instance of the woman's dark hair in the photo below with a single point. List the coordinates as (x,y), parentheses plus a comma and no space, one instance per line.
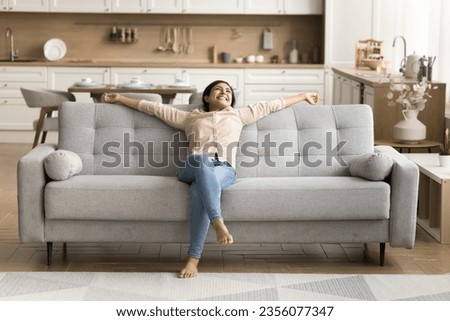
(208,89)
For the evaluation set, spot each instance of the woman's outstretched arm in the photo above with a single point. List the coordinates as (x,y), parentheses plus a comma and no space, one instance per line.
(116,98)
(311,98)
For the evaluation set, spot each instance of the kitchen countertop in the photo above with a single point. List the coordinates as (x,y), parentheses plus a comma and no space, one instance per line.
(369,77)
(151,64)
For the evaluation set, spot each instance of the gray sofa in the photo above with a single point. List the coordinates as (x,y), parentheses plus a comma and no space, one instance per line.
(294,181)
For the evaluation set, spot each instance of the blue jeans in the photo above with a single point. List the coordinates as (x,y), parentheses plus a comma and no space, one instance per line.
(208,178)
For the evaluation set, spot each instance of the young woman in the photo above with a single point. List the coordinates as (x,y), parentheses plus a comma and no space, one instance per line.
(213,132)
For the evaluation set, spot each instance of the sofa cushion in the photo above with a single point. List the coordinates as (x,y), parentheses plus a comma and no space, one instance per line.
(117,197)
(306,198)
(62,164)
(372,166)
(153,198)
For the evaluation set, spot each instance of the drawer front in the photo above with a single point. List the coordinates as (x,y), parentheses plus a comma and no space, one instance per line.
(23,74)
(284,76)
(255,93)
(12,89)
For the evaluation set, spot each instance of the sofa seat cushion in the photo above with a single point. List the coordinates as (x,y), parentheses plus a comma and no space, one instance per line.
(306,198)
(117,197)
(162,198)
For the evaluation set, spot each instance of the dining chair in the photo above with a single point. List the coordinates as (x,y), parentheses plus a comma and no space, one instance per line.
(48,101)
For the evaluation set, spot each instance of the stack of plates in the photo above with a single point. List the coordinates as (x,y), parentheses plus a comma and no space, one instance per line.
(87,82)
(55,49)
(137,83)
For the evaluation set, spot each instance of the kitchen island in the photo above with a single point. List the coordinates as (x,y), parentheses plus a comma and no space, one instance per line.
(352,86)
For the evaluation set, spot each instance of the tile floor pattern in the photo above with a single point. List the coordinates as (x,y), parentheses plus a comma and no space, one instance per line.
(100,286)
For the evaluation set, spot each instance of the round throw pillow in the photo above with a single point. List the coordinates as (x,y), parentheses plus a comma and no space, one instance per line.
(372,166)
(62,164)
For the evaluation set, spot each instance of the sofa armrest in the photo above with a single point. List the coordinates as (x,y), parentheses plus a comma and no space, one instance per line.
(404,182)
(31,180)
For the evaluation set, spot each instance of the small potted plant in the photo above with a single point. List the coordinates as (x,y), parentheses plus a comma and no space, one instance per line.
(444,156)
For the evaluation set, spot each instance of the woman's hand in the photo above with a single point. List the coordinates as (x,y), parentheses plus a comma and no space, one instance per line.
(312,98)
(111,98)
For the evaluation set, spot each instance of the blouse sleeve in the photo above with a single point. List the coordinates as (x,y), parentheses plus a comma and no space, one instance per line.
(170,115)
(253,113)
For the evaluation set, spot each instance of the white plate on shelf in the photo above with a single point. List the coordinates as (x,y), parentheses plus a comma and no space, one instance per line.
(55,49)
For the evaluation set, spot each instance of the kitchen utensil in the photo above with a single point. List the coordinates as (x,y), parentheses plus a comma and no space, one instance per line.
(175,44)
(55,49)
(190,44)
(412,66)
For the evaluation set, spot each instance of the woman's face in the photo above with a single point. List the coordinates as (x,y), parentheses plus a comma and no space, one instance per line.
(220,97)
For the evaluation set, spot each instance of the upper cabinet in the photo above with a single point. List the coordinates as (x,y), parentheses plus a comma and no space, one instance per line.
(164,6)
(24,5)
(87,6)
(303,6)
(214,6)
(129,6)
(283,6)
(269,7)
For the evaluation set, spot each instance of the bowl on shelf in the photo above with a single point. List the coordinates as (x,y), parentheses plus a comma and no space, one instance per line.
(371,63)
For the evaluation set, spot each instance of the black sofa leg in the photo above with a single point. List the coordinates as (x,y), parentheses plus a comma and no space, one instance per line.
(49,253)
(382,253)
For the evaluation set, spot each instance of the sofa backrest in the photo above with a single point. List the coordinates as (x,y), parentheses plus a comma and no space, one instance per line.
(299,141)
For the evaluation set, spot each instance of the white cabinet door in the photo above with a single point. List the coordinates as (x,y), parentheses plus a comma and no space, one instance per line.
(129,6)
(213,6)
(264,6)
(24,5)
(61,78)
(356,92)
(369,96)
(164,6)
(87,6)
(14,113)
(303,7)
(284,76)
(267,84)
(154,76)
(202,77)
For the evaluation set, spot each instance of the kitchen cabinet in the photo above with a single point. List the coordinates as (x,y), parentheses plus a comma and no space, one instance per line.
(374,92)
(14,113)
(267,84)
(164,6)
(61,78)
(202,77)
(368,96)
(345,90)
(82,6)
(303,7)
(283,7)
(196,6)
(213,6)
(24,5)
(129,6)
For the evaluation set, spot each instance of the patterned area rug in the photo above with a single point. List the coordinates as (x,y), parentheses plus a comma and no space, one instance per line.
(99,286)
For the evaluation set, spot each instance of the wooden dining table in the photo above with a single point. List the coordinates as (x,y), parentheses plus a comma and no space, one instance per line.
(168,93)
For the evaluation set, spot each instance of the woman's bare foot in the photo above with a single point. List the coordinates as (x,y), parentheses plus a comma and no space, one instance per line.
(222,234)
(190,269)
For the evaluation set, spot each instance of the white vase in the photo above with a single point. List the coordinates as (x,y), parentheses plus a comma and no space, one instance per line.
(410,129)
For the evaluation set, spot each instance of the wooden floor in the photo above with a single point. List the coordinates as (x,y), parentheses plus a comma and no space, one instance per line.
(427,257)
